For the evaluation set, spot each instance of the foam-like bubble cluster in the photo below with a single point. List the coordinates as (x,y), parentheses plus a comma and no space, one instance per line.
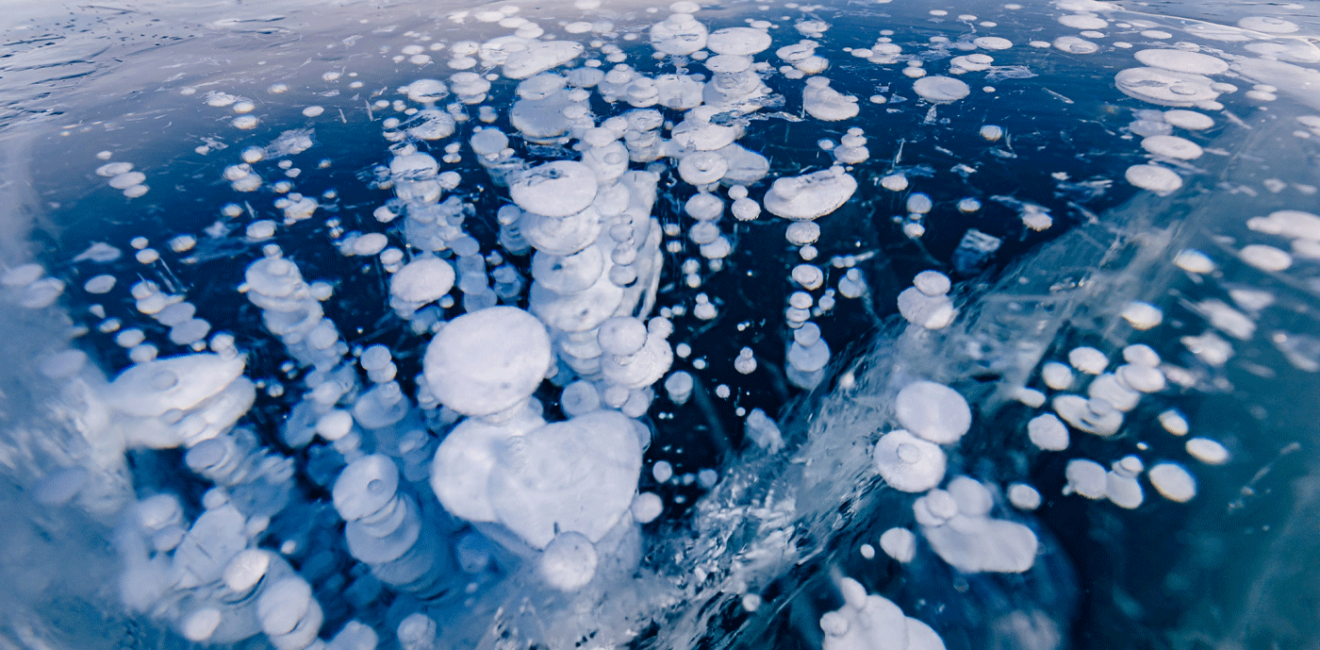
(587,401)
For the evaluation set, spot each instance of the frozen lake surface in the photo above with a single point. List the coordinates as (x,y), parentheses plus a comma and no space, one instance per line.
(601,324)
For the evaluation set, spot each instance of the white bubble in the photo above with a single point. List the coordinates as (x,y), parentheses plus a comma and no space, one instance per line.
(933,411)
(100,284)
(1190,120)
(1268,24)
(1023,496)
(1048,432)
(568,562)
(1088,360)
(1194,261)
(1173,482)
(1076,45)
(662,471)
(1265,258)
(1160,180)
(940,89)
(1087,478)
(1174,422)
(1172,146)
(1207,451)
(899,544)
(1181,61)
(646,507)
(1142,315)
(127,180)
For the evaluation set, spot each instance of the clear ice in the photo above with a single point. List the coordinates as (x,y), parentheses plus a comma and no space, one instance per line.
(628,324)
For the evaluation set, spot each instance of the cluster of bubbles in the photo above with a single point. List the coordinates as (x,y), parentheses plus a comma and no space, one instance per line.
(512,460)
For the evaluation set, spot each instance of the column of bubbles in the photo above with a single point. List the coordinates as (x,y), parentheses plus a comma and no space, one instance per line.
(472,278)
(178,401)
(499,160)
(642,137)
(386,531)
(256,481)
(290,615)
(808,354)
(176,573)
(290,311)
(247,603)
(430,225)
(802,199)
(171,311)
(635,355)
(583,271)
(389,417)
(228,613)
(926,303)
(418,632)
(520,481)
(872,621)
(548,110)
(433,226)
(735,82)
(337,428)
(852,148)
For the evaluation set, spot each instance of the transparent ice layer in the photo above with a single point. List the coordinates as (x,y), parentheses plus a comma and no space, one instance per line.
(613,324)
